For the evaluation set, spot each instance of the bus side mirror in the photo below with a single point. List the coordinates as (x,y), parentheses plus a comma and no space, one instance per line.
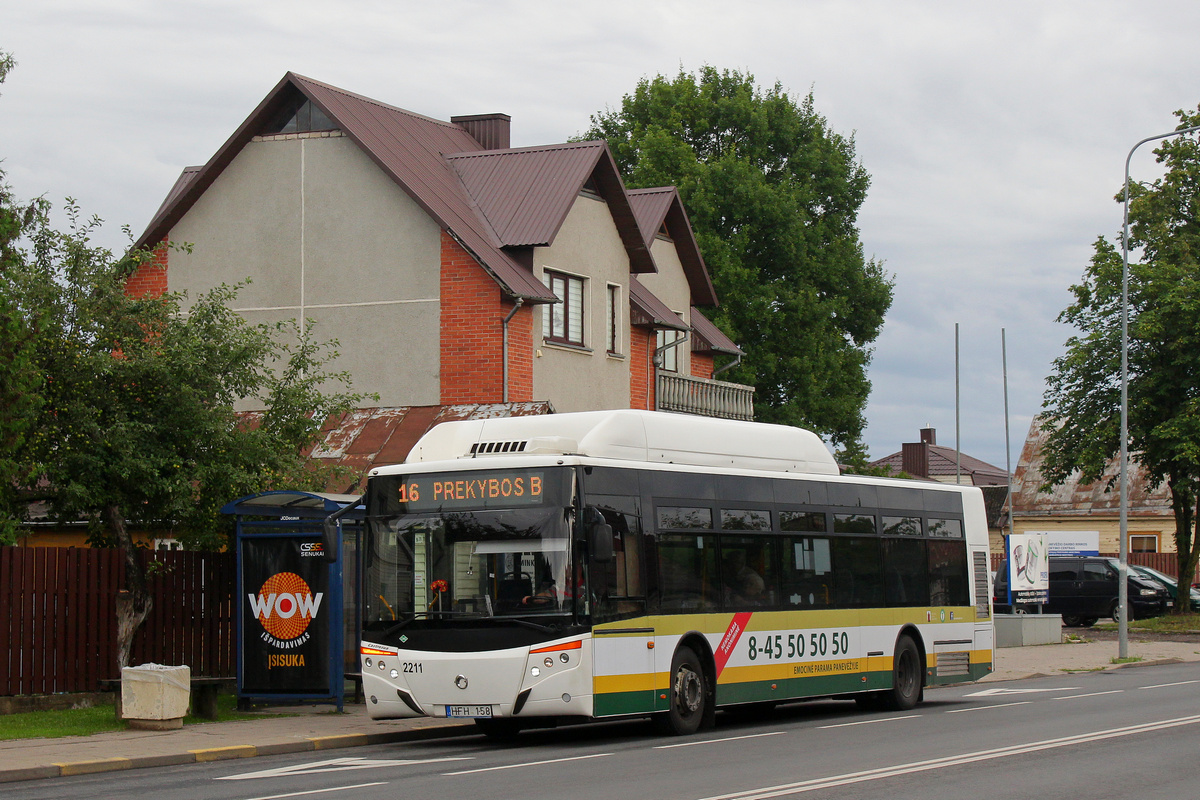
(331,529)
(329,541)
(601,544)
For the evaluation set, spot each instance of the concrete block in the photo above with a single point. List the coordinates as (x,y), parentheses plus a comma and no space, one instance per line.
(155,693)
(1019,630)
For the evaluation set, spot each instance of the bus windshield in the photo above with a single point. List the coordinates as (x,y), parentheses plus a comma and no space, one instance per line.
(467,558)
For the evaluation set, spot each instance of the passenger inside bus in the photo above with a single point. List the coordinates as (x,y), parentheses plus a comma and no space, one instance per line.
(743,586)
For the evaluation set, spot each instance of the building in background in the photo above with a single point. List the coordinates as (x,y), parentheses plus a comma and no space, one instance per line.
(462,277)
(1074,506)
(927,460)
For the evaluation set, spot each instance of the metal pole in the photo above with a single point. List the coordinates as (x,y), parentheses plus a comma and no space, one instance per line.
(957,423)
(1007,438)
(1123,589)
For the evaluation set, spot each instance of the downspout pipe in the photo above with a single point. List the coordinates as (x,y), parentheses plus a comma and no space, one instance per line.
(729,366)
(658,351)
(504,326)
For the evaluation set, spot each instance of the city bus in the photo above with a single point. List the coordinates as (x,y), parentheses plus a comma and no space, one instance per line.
(525,571)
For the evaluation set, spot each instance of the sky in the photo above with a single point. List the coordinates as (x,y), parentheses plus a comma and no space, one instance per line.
(995,133)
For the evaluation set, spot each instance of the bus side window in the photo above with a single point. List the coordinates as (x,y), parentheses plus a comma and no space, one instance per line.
(807,573)
(688,575)
(857,573)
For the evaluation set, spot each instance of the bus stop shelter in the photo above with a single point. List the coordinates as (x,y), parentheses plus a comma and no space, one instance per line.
(297,606)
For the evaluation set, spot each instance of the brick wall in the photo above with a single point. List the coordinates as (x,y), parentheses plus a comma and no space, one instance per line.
(641,369)
(472,341)
(150,279)
(702,366)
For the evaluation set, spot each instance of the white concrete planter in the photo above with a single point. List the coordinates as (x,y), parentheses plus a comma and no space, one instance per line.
(155,697)
(1018,630)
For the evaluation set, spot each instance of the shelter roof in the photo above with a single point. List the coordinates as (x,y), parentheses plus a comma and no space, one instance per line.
(709,338)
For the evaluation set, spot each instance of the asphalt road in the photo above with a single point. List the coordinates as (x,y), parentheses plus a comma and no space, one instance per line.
(1117,734)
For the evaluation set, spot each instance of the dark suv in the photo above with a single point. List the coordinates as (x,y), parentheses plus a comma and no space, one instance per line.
(1084,588)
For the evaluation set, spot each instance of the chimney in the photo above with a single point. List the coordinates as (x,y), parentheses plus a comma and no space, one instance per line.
(929,435)
(914,458)
(490,130)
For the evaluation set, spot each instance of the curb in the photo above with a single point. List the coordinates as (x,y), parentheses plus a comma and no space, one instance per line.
(65,769)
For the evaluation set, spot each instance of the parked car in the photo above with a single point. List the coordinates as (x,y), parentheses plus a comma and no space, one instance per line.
(1084,588)
(1168,583)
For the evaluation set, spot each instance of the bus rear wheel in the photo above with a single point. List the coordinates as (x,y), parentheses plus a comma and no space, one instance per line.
(906,676)
(689,694)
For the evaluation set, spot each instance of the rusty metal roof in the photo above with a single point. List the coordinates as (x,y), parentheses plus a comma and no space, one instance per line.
(371,437)
(408,147)
(659,207)
(708,337)
(1073,498)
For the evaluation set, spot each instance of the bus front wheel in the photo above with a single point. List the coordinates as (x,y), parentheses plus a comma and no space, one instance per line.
(906,676)
(689,694)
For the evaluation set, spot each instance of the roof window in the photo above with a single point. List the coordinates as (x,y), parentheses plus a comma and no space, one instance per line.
(299,116)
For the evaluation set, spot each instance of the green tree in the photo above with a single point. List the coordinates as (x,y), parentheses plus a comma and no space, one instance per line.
(773,196)
(19,380)
(1083,397)
(137,425)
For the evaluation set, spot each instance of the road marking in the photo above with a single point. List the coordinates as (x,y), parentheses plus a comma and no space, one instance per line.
(1165,685)
(867,721)
(995,692)
(319,791)
(526,764)
(715,741)
(952,761)
(989,708)
(1089,694)
(335,765)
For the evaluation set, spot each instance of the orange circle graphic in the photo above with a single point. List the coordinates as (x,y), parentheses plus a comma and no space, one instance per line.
(287,607)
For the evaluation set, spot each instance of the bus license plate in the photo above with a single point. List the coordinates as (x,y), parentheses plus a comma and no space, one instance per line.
(468,711)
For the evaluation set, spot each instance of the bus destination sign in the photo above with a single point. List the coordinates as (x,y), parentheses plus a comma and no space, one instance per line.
(470,490)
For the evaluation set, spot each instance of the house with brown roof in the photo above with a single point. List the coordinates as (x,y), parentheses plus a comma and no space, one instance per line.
(1076,507)
(928,460)
(461,276)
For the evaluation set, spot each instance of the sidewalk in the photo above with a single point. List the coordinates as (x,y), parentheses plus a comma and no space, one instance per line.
(314,728)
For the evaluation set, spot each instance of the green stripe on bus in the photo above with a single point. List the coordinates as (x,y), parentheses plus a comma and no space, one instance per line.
(616,703)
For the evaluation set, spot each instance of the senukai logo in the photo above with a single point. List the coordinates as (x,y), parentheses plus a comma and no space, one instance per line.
(285,605)
(310,549)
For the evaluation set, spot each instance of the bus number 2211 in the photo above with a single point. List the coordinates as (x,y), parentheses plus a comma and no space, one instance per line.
(772,647)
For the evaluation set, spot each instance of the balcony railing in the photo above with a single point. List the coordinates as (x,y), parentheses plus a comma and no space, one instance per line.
(706,398)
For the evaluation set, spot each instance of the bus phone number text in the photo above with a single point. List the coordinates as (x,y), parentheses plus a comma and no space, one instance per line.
(775,647)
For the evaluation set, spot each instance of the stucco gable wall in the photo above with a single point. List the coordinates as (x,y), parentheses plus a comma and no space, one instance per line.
(587,245)
(323,234)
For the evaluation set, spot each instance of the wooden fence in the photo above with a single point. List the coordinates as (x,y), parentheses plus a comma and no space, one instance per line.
(58,627)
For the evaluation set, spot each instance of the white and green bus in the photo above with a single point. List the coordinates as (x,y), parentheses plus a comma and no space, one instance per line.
(522,571)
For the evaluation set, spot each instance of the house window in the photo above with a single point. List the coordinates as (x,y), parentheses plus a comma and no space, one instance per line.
(563,322)
(1143,542)
(613,321)
(670,356)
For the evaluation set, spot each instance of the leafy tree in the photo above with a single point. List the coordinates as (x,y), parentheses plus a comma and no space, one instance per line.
(137,425)
(19,380)
(1083,398)
(773,196)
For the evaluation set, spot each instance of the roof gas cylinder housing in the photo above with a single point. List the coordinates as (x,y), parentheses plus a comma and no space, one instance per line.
(632,435)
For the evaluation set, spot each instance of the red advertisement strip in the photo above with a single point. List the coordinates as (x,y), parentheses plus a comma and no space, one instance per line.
(730,639)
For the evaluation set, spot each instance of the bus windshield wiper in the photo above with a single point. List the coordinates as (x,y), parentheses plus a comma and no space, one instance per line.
(522,622)
(399,626)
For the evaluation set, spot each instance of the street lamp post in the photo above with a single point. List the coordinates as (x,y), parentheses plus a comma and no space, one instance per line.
(1123,589)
